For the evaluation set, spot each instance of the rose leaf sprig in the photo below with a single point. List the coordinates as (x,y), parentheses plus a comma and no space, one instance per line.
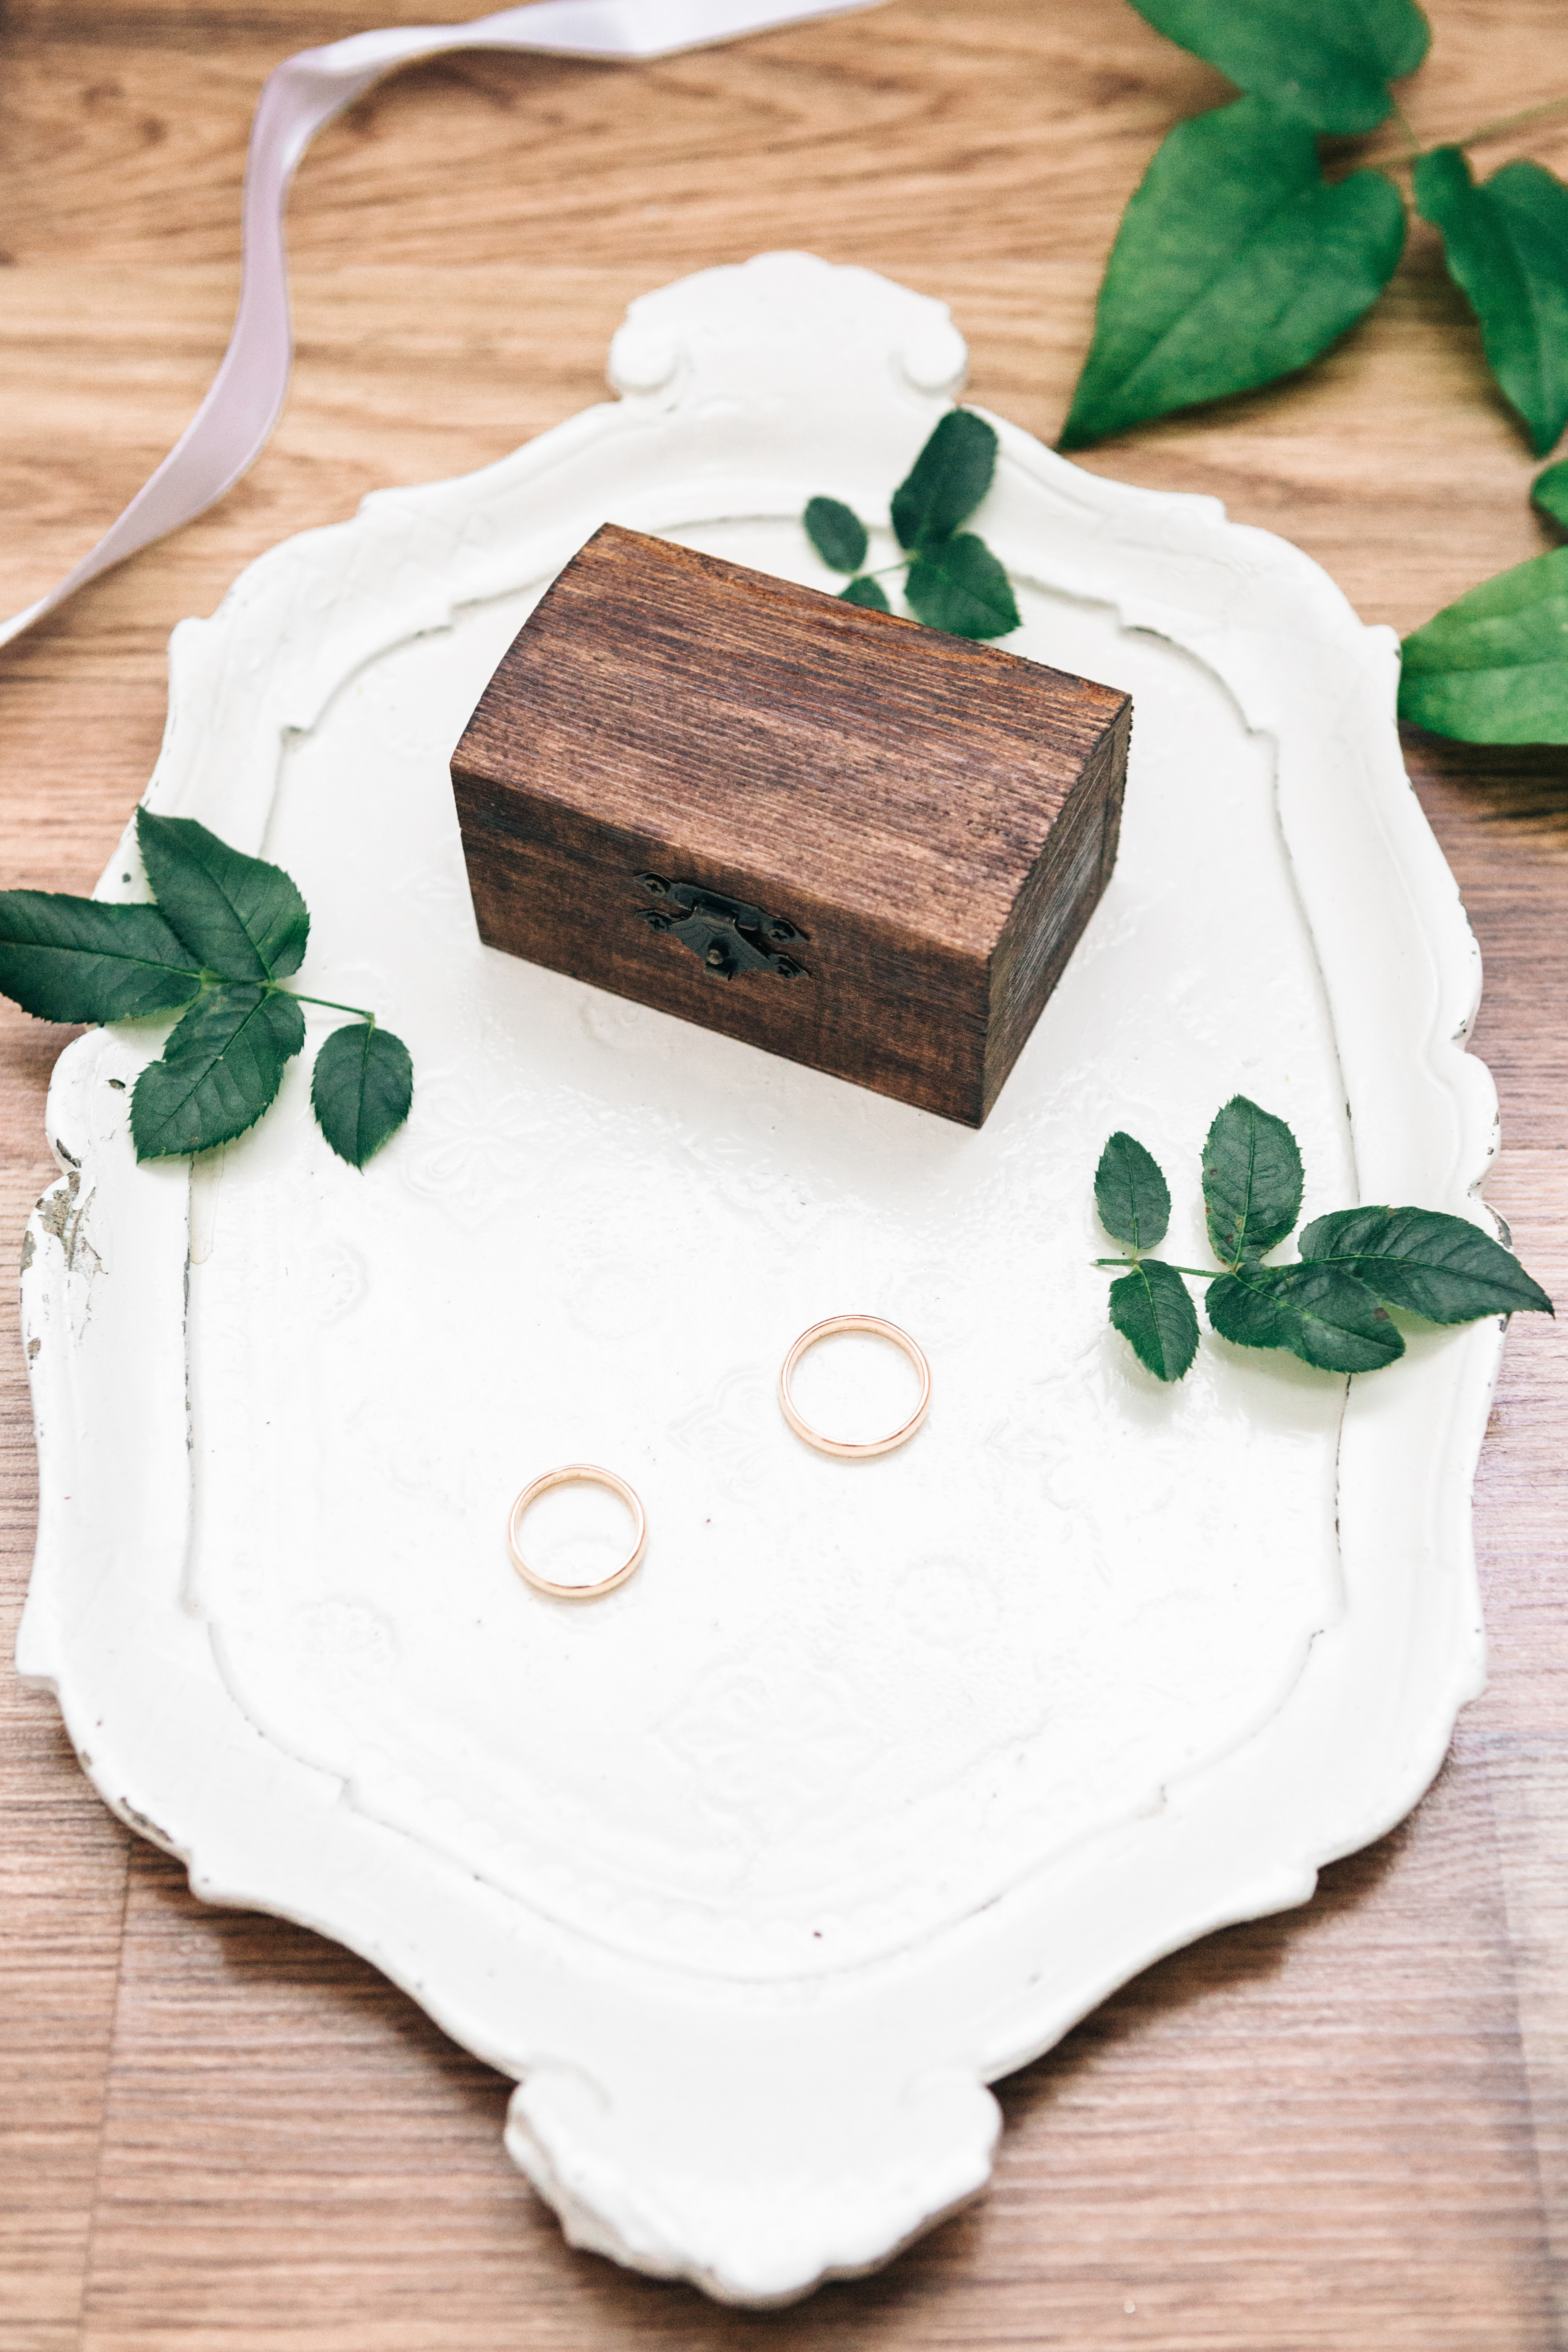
(951,579)
(1331,1306)
(1240,259)
(222,935)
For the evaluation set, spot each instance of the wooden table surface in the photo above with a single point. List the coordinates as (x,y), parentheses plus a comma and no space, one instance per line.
(1341,2129)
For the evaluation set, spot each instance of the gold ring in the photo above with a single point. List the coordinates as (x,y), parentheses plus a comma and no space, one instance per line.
(851,1450)
(577,1473)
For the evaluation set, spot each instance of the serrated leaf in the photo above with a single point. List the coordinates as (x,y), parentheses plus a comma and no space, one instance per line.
(957,584)
(243,919)
(1438,1266)
(869,593)
(221,1067)
(1506,243)
(361,1089)
(1236,263)
(1548,491)
(1321,1313)
(1152,1309)
(947,480)
(1131,1194)
(1252,1181)
(66,958)
(837,533)
(1493,667)
(1327,61)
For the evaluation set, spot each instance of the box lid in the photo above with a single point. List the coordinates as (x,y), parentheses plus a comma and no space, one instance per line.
(782,734)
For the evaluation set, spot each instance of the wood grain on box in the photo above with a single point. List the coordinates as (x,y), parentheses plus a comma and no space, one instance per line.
(926,824)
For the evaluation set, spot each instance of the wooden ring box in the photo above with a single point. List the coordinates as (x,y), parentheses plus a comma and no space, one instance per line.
(840,836)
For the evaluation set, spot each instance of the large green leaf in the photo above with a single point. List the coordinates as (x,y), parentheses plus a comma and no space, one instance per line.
(361,1089)
(1152,1309)
(947,480)
(1507,245)
(1321,1313)
(957,584)
(1131,1194)
(836,532)
(1493,668)
(1439,1266)
(243,919)
(222,1065)
(1327,61)
(83,959)
(1235,263)
(1252,1181)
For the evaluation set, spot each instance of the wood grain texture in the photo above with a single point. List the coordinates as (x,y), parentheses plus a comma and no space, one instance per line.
(1342,2128)
(930,822)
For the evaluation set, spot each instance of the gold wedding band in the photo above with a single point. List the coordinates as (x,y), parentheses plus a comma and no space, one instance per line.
(848,1449)
(577,1473)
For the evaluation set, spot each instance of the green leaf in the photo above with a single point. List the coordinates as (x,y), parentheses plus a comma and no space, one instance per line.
(1252,1181)
(85,960)
(1439,1266)
(222,1067)
(1321,1313)
(836,532)
(947,480)
(1235,263)
(868,593)
(361,1089)
(957,584)
(1327,61)
(1493,668)
(243,919)
(1131,1194)
(1548,491)
(1151,1307)
(1506,243)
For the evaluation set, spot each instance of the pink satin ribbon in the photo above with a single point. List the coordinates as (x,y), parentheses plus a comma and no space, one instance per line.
(231,428)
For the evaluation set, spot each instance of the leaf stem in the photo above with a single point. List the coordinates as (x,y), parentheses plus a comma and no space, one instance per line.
(331,1003)
(1500,129)
(1507,123)
(1201,1272)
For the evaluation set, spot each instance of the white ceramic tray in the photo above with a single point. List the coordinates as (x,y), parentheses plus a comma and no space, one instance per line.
(877,1776)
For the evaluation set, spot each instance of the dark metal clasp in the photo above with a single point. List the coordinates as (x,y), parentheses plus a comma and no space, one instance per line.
(725,934)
